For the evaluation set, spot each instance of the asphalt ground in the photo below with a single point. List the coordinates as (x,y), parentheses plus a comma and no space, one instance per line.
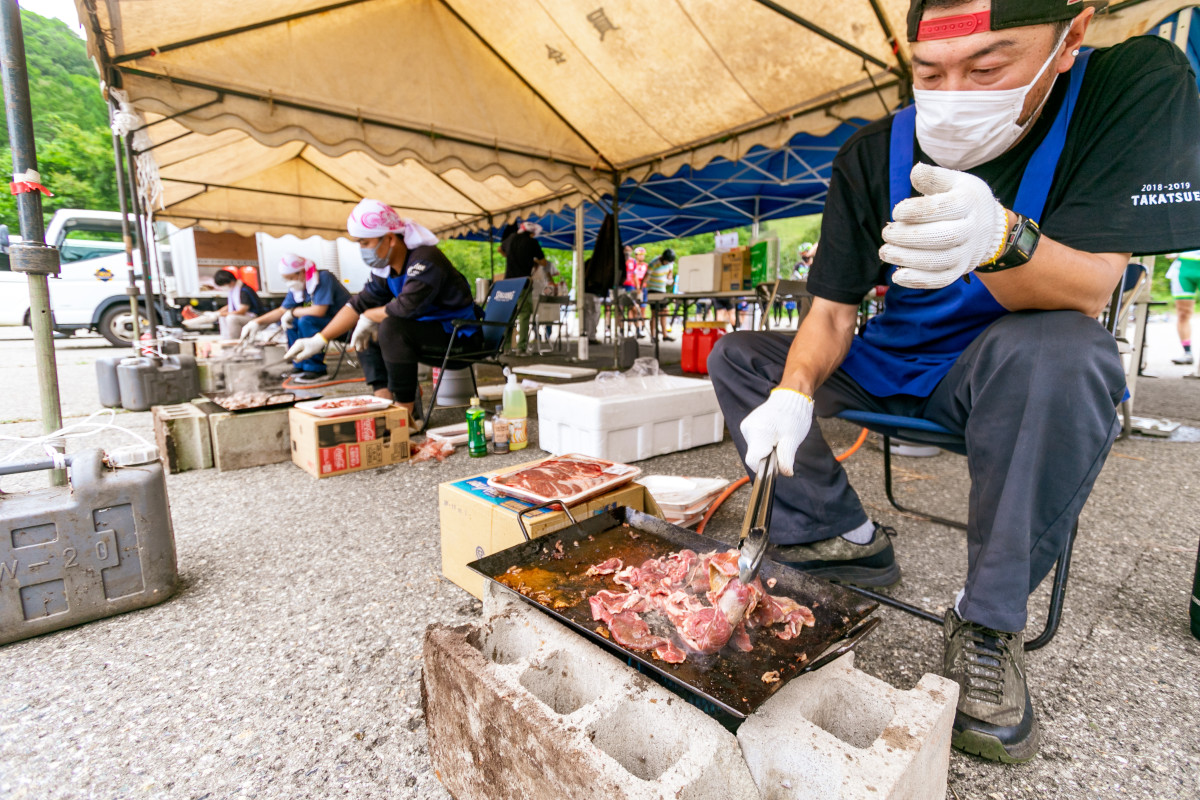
(288,664)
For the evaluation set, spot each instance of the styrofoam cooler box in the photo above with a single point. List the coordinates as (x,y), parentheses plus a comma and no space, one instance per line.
(629,419)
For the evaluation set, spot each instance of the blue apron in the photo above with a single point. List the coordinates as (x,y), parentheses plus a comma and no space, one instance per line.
(911,345)
(443,315)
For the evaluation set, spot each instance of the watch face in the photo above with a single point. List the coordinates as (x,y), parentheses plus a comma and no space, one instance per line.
(1026,240)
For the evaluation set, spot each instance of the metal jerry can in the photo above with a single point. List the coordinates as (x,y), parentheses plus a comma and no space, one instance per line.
(101,545)
(147,381)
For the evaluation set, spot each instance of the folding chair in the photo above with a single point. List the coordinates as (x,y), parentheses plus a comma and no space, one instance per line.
(921,431)
(499,318)
(1116,319)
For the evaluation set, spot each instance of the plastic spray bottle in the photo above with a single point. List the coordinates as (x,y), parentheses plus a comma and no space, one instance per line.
(515,412)
(477,444)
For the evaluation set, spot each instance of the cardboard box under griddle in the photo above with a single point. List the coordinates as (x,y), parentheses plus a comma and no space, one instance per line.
(324,447)
(478,521)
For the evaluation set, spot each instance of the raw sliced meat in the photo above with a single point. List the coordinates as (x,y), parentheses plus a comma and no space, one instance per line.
(701,596)
(566,476)
(605,567)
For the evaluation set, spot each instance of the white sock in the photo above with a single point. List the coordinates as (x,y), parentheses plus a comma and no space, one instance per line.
(863,534)
(958,599)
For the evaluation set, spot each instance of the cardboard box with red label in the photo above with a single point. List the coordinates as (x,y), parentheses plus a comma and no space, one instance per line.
(324,447)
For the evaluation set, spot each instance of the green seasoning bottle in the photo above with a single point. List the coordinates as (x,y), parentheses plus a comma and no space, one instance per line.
(1195,605)
(477,444)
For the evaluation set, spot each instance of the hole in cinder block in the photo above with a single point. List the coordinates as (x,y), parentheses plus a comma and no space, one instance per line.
(562,683)
(642,742)
(508,642)
(847,712)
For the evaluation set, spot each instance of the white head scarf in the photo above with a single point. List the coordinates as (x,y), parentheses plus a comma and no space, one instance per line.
(291,263)
(532,228)
(371,219)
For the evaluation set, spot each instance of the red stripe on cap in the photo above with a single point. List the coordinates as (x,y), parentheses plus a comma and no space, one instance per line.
(958,25)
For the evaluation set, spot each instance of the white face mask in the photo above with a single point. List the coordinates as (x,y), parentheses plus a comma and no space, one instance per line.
(961,130)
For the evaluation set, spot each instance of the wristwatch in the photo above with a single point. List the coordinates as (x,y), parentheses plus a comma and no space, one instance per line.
(1018,249)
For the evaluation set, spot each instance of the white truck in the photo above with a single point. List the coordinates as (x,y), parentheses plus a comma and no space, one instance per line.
(89,293)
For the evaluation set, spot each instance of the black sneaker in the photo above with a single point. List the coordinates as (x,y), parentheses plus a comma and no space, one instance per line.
(1186,358)
(668,337)
(310,377)
(995,718)
(842,561)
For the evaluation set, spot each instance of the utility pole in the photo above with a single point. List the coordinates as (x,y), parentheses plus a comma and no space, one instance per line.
(32,255)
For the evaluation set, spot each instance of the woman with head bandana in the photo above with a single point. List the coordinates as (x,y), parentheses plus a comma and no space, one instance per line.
(405,312)
(314,297)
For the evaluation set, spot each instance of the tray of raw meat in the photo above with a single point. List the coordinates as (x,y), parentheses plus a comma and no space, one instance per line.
(566,479)
(343,406)
(671,601)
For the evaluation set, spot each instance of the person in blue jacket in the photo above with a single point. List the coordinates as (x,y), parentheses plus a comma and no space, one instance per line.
(1000,209)
(405,312)
(314,297)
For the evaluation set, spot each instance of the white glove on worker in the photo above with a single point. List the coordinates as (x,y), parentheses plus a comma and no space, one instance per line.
(781,422)
(305,349)
(365,332)
(288,320)
(936,239)
(249,332)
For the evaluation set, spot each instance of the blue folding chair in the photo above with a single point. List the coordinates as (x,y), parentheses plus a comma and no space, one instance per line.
(499,317)
(922,431)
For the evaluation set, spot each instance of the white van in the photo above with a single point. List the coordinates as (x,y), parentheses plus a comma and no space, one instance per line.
(89,292)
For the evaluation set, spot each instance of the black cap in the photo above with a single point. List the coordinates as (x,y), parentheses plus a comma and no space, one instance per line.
(1003,14)
(668,256)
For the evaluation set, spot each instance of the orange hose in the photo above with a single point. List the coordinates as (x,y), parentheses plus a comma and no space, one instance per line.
(733,487)
(862,437)
(740,482)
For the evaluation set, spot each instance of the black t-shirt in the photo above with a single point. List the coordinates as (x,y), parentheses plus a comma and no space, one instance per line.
(1128,180)
(430,286)
(520,252)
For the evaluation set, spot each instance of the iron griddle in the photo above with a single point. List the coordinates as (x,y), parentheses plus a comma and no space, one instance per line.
(730,680)
(296,396)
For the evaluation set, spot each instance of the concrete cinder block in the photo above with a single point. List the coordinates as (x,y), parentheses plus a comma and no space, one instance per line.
(182,434)
(840,734)
(522,707)
(248,439)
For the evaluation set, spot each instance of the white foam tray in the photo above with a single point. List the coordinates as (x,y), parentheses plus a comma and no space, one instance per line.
(629,420)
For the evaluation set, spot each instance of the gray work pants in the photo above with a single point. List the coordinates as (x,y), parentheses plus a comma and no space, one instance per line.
(591,315)
(1035,398)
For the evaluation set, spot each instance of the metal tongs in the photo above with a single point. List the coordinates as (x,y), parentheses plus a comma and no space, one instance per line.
(756,527)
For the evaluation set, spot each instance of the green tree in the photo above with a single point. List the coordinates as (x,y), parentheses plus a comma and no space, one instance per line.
(70,123)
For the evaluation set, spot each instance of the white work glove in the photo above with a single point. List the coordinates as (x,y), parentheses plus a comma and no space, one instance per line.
(305,349)
(938,238)
(781,422)
(365,332)
(288,320)
(249,332)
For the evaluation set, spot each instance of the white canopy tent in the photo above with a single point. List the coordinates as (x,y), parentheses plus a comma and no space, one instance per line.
(461,110)
(278,115)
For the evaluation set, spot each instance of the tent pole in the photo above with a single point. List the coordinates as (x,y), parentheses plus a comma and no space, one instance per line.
(32,256)
(618,268)
(581,299)
(135,205)
(492,246)
(127,238)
